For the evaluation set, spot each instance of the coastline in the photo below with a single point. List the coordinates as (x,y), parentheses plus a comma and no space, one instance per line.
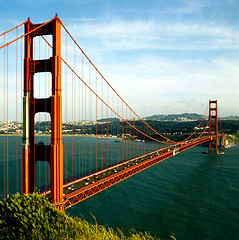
(67,135)
(231,140)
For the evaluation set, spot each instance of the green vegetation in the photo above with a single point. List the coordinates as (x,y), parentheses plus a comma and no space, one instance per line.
(176,131)
(229,126)
(34,217)
(232,139)
(231,129)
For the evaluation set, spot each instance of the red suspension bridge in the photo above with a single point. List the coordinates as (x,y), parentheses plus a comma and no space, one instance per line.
(74,136)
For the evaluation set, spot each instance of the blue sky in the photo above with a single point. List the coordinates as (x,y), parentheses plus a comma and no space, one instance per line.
(174,53)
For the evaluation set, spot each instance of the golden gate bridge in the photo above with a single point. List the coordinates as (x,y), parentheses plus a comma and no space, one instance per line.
(74,135)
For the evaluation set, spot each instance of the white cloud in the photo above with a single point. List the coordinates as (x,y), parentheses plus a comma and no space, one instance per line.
(118,34)
(133,56)
(150,81)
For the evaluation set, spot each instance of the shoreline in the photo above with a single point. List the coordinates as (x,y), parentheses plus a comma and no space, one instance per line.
(67,135)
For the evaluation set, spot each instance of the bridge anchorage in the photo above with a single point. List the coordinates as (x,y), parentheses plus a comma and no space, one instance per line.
(122,147)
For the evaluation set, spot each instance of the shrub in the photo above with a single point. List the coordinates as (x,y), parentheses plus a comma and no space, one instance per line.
(33,217)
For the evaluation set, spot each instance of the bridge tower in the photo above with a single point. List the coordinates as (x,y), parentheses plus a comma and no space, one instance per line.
(213,126)
(31,152)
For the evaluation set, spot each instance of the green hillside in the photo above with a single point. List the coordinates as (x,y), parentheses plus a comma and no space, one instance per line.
(34,217)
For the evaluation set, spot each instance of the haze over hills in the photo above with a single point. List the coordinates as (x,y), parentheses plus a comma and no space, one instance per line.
(183,117)
(175,117)
(108,120)
(231,118)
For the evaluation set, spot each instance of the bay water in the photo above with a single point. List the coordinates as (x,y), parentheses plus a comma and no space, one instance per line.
(189,196)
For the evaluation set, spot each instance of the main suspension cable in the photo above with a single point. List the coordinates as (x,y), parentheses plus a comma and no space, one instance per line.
(122,98)
(104,101)
(126,104)
(27,32)
(196,128)
(13,28)
(112,87)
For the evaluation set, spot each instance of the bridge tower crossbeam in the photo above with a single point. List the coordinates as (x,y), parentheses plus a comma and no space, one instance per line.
(31,152)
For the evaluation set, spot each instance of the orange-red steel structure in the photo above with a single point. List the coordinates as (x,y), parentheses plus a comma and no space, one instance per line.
(213,126)
(31,152)
(134,166)
(98,179)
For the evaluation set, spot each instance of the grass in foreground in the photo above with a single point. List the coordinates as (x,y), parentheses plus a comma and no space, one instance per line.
(34,217)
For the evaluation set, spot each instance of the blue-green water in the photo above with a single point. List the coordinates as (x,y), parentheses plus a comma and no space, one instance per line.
(81,155)
(190,196)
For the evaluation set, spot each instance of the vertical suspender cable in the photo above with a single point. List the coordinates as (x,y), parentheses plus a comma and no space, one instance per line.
(96,133)
(39,165)
(107,127)
(131,138)
(33,95)
(85,135)
(4,112)
(21,66)
(45,165)
(122,132)
(112,129)
(89,109)
(74,82)
(79,136)
(144,141)
(136,137)
(102,126)
(72,111)
(118,129)
(66,168)
(16,112)
(82,111)
(7,127)
(126,132)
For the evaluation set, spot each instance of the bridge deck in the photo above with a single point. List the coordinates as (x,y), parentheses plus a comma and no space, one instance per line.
(83,188)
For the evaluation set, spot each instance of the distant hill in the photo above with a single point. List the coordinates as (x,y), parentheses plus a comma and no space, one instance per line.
(175,117)
(183,117)
(109,120)
(231,118)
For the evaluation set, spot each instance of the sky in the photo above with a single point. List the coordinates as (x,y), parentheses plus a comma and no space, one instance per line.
(160,56)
